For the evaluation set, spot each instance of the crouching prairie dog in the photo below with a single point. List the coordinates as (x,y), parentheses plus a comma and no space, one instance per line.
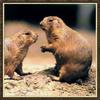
(72,52)
(15,50)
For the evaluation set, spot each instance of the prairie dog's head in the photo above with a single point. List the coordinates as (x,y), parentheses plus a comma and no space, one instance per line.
(53,26)
(51,23)
(26,38)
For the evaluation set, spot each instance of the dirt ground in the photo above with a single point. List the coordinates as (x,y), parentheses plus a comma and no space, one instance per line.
(39,84)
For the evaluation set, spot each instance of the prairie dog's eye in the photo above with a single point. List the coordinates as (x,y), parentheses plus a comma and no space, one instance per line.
(50,20)
(27,33)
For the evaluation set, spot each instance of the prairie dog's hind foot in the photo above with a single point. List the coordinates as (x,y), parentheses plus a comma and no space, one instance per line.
(19,70)
(54,78)
(54,72)
(16,78)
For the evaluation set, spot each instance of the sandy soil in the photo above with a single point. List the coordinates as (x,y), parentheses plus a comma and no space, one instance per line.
(39,83)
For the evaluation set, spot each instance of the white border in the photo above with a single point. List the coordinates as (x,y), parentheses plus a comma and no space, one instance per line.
(96,51)
(3,49)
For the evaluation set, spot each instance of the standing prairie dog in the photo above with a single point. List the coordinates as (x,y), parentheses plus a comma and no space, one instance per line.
(72,52)
(15,50)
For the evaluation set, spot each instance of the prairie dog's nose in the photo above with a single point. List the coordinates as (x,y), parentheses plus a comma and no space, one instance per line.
(35,37)
(41,23)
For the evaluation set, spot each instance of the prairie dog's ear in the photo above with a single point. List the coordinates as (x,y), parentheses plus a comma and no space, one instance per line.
(19,36)
(55,21)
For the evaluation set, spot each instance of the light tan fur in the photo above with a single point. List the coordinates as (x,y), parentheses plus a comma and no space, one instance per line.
(15,50)
(72,51)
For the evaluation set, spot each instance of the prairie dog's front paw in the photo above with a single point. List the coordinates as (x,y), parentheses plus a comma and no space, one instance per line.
(43,48)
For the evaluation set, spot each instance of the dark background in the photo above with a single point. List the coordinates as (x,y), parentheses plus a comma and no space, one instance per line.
(36,12)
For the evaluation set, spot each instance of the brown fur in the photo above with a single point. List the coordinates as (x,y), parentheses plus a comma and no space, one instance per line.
(16,48)
(72,52)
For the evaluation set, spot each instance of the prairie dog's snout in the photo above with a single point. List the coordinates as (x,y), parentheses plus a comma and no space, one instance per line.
(30,34)
(42,25)
(46,23)
(35,37)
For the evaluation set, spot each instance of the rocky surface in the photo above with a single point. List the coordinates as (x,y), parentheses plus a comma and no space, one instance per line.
(40,85)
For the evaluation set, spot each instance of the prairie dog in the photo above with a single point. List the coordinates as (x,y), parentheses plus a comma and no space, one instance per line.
(15,50)
(72,52)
